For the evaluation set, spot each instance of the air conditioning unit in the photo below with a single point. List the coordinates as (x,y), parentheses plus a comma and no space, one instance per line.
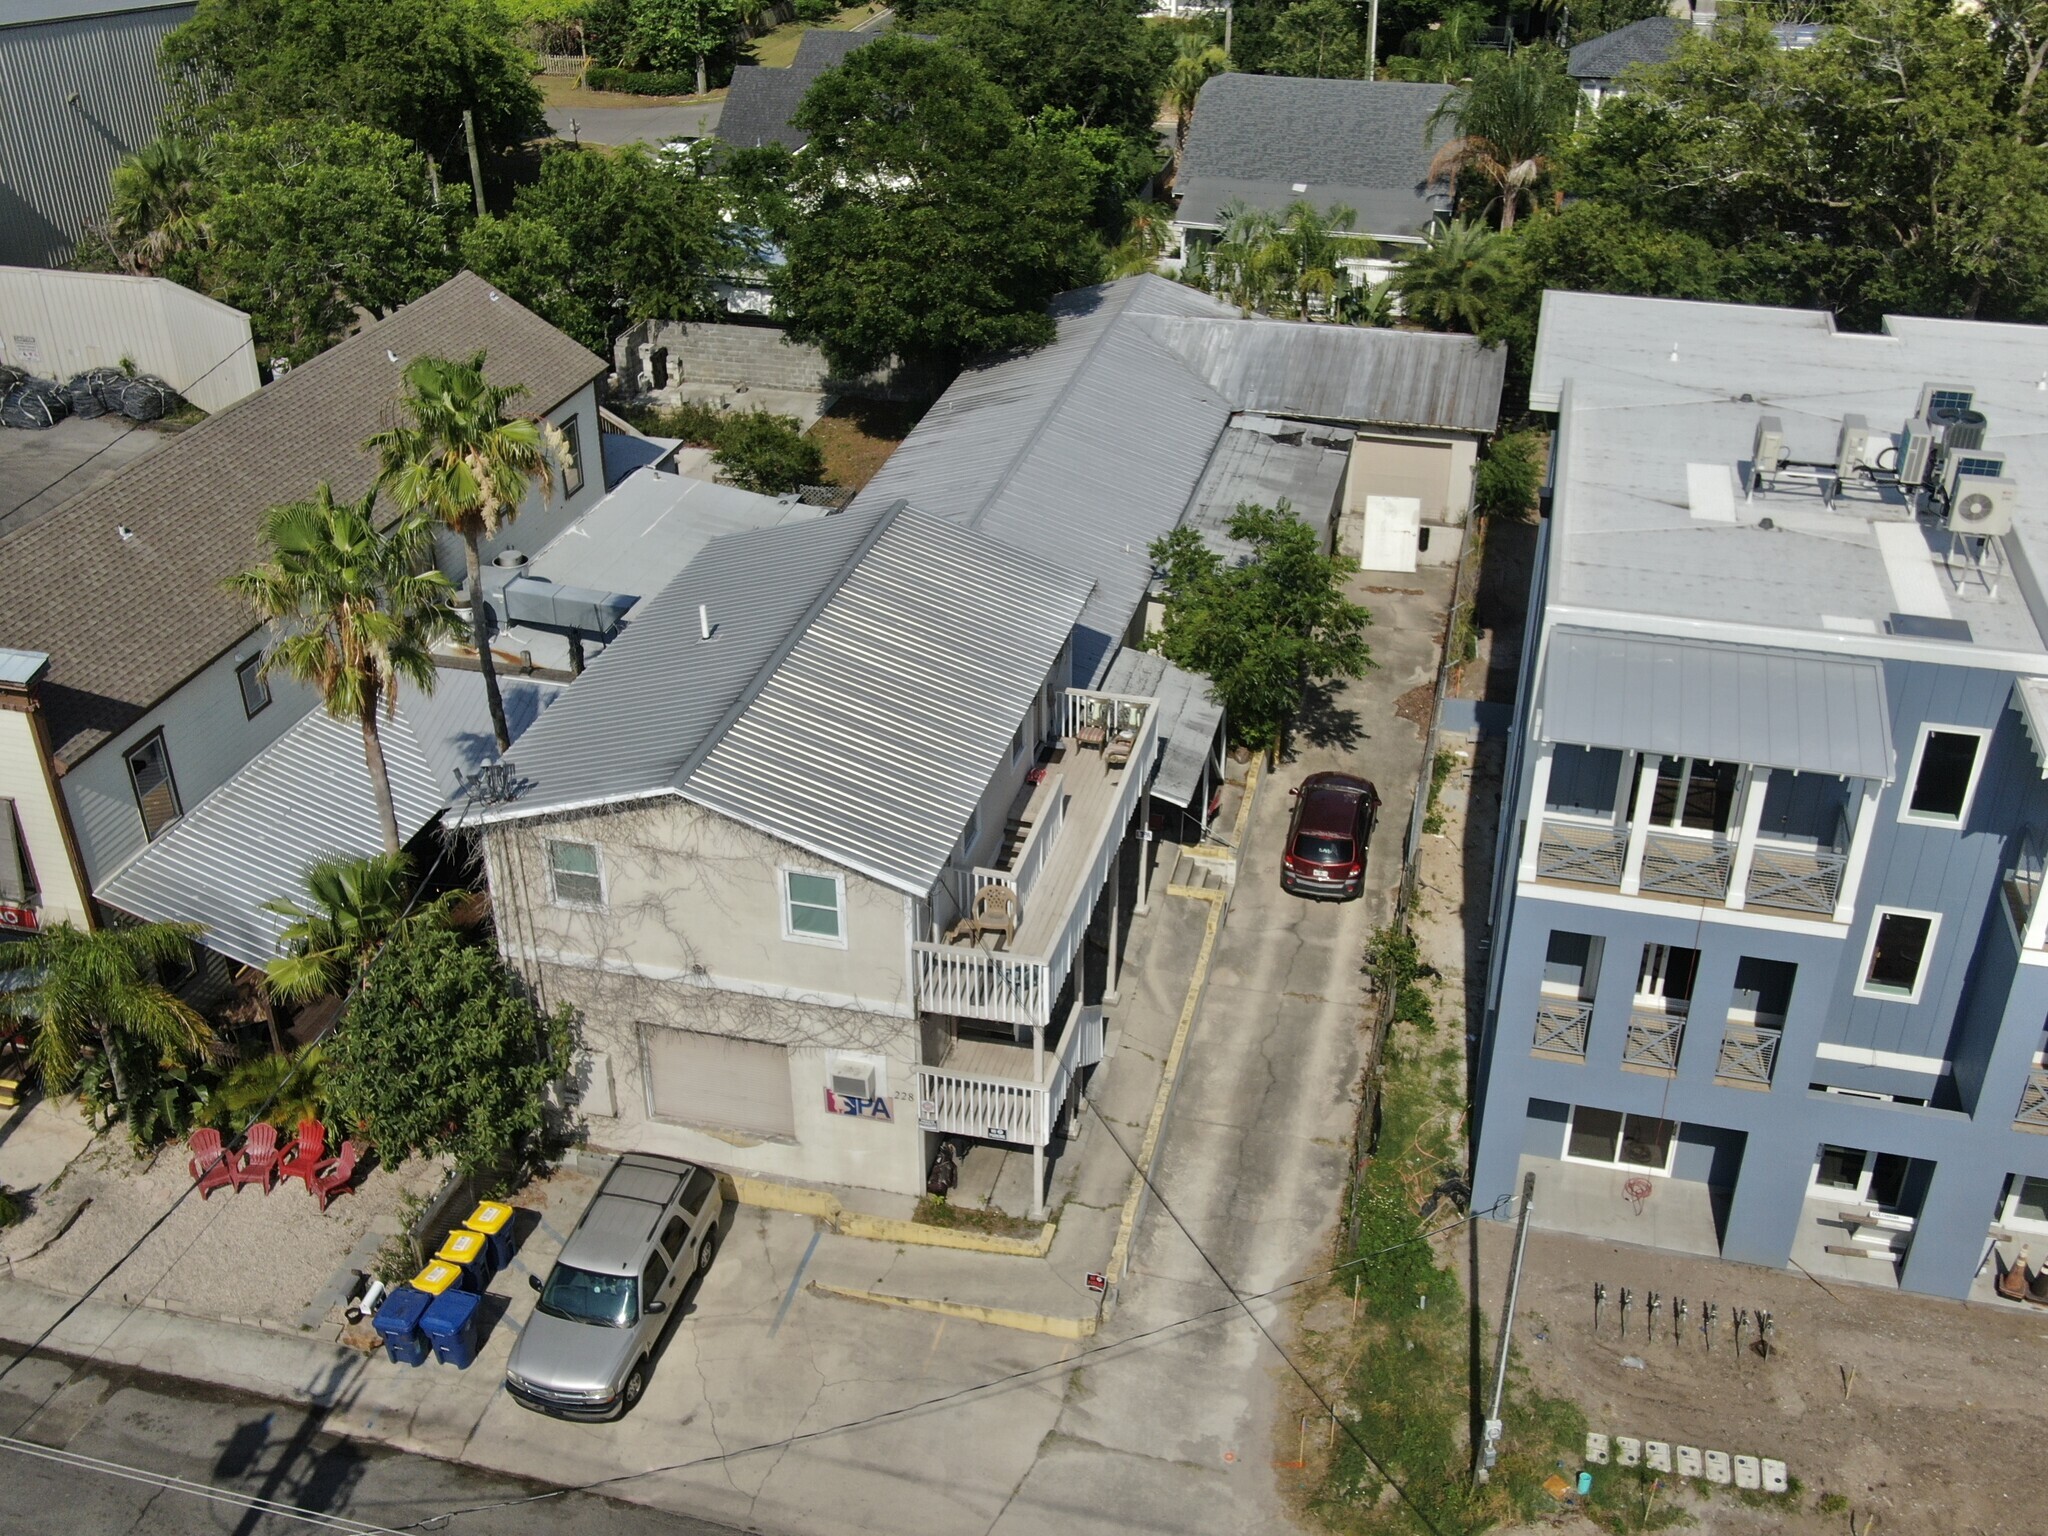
(1983,508)
(1959,429)
(1916,452)
(1958,468)
(1767,453)
(853,1079)
(1852,447)
(1944,397)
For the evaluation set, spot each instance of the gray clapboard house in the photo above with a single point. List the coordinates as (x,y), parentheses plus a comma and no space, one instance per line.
(1771,954)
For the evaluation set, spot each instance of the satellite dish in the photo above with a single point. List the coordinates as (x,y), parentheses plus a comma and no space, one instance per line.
(1975,507)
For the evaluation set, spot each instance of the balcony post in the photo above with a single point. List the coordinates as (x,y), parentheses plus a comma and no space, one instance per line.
(1116,886)
(1745,837)
(1859,851)
(1539,801)
(1639,823)
(1144,854)
(1039,1134)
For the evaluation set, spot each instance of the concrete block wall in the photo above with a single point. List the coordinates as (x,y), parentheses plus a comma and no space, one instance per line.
(759,356)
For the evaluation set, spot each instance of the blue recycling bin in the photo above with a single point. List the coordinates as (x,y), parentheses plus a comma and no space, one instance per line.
(398,1320)
(450,1323)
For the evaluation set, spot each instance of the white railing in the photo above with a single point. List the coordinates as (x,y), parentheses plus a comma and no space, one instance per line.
(1794,878)
(1676,865)
(1010,1109)
(1039,841)
(1110,712)
(1592,855)
(1749,1054)
(2023,882)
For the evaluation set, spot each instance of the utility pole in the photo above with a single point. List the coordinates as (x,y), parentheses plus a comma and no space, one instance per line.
(1372,39)
(476,169)
(1489,1450)
(1230,16)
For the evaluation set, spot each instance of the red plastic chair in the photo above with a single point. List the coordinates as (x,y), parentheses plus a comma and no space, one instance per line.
(308,1152)
(258,1163)
(209,1163)
(334,1178)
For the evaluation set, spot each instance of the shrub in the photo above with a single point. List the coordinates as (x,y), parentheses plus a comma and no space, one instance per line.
(816,11)
(10,1209)
(639,82)
(1509,475)
(763,452)
(695,423)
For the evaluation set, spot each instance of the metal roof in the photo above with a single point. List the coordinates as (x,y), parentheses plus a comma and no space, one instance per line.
(1268,460)
(864,680)
(20,668)
(304,798)
(1189,720)
(1802,711)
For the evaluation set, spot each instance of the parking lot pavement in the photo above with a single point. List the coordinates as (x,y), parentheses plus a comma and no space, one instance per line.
(42,470)
(653,126)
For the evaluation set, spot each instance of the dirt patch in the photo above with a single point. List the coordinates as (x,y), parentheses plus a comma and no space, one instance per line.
(1415,705)
(857,437)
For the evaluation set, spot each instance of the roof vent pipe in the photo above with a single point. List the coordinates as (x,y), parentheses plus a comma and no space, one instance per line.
(703,621)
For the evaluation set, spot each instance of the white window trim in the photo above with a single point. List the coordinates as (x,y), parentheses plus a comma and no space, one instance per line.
(253,664)
(782,874)
(604,888)
(2010,1204)
(1913,818)
(1670,1150)
(1884,995)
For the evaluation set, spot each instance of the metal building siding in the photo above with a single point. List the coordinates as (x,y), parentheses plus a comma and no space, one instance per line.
(55,157)
(76,320)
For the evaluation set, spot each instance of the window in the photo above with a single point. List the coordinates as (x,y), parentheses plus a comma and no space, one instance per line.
(1667,974)
(2026,1204)
(1763,990)
(17,873)
(1622,1141)
(1895,964)
(1584,780)
(1944,777)
(673,1236)
(810,908)
(572,472)
(652,1279)
(698,1191)
(1017,744)
(1694,794)
(156,792)
(573,868)
(255,686)
(1571,965)
(1839,1168)
(1851,1173)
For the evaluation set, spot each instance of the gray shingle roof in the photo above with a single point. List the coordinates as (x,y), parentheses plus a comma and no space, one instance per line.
(864,682)
(126,621)
(1650,41)
(1364,144)
(761,101)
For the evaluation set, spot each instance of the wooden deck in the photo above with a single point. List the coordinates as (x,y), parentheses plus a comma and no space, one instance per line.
(990,1058)
(1091,787)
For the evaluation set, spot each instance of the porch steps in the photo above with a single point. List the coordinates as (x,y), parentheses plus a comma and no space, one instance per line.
(1206,868)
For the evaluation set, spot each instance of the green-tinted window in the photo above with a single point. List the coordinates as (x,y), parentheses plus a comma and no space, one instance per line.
(576,877)
(813,905)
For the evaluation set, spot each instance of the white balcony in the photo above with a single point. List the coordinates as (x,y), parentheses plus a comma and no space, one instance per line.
(1074,821)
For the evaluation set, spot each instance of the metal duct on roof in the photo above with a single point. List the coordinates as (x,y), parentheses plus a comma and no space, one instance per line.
(538,603)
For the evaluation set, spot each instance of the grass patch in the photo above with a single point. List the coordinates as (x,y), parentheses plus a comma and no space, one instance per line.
(777,49)
(570,91)
(857,437)
(1439,770)
(934,1212)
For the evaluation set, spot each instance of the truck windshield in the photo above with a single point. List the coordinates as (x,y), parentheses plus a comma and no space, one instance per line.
(583,1297)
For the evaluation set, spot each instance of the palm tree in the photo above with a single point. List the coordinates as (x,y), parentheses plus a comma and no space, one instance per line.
(97,987)
(1315,253)
(1509,117)
(1197,62)
(462,461)
(352,907)
(1242,261)
(356,612)
(159,198)
(1447,284)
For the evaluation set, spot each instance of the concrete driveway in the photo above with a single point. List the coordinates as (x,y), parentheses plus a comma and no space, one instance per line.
(652,126)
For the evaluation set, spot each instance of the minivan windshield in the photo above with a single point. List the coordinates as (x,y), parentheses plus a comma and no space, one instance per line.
(581,1296)
(1318,849)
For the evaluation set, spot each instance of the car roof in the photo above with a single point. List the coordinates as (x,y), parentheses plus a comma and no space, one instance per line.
(1328,809)
(613,1236)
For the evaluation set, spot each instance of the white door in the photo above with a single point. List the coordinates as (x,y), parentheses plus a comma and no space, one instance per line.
(715,1080)
(1393,529)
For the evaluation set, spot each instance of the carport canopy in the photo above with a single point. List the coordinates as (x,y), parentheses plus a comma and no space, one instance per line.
(1796,710)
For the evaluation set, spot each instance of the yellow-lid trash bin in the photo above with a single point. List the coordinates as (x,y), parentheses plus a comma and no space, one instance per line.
(493,1218)
(463,1246)
(437,1277)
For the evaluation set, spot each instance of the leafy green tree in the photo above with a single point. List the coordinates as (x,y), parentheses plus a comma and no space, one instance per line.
(1444,49)
(760,451)
(1094,58)
(409,67)
(927,225)
(1450,283)
(314,220)
(601,240)
(1291,263)
(357,610)
(1508,120)
(1263,630)
(282,1088)
(1596,18)
(460,460)
(679,34)
(442,1054)
(1195,64)
(1324,39)
(86,988)
(352,907)
(156,217)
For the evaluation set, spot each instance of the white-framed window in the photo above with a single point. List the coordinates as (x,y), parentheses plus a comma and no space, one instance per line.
(254,685)
(1612,1139)
(1947,763)
(2025,1207)
(576,873)
(1895,956)
(1694,795)
(572,471)
(813,907)
(156,791)
(1857,1175)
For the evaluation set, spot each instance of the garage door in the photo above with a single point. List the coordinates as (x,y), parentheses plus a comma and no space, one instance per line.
(715,1080)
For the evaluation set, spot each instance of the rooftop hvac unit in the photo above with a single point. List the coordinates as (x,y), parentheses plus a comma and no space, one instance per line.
(1959,469)
(1767,453)
(1944,397)
(1984,507)
(1852,446)
(1958,429)
(1916,452)
(853,1079)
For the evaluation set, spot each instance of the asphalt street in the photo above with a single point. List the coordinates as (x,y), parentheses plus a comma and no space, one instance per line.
(122,1435)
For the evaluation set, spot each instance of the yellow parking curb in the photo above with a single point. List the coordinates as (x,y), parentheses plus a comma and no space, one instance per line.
(995,1317)
(818,1203)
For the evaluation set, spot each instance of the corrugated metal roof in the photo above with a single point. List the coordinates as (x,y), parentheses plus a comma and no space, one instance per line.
(1189,720)
(865,681)
(305,798)
(1276,461)
(1696,698)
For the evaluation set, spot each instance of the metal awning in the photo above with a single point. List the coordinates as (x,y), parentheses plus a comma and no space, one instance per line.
(304,798)
(1189,722)
(2030,698)
(1793,710)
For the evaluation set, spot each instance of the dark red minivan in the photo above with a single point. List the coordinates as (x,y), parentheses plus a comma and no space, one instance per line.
(1327,837)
